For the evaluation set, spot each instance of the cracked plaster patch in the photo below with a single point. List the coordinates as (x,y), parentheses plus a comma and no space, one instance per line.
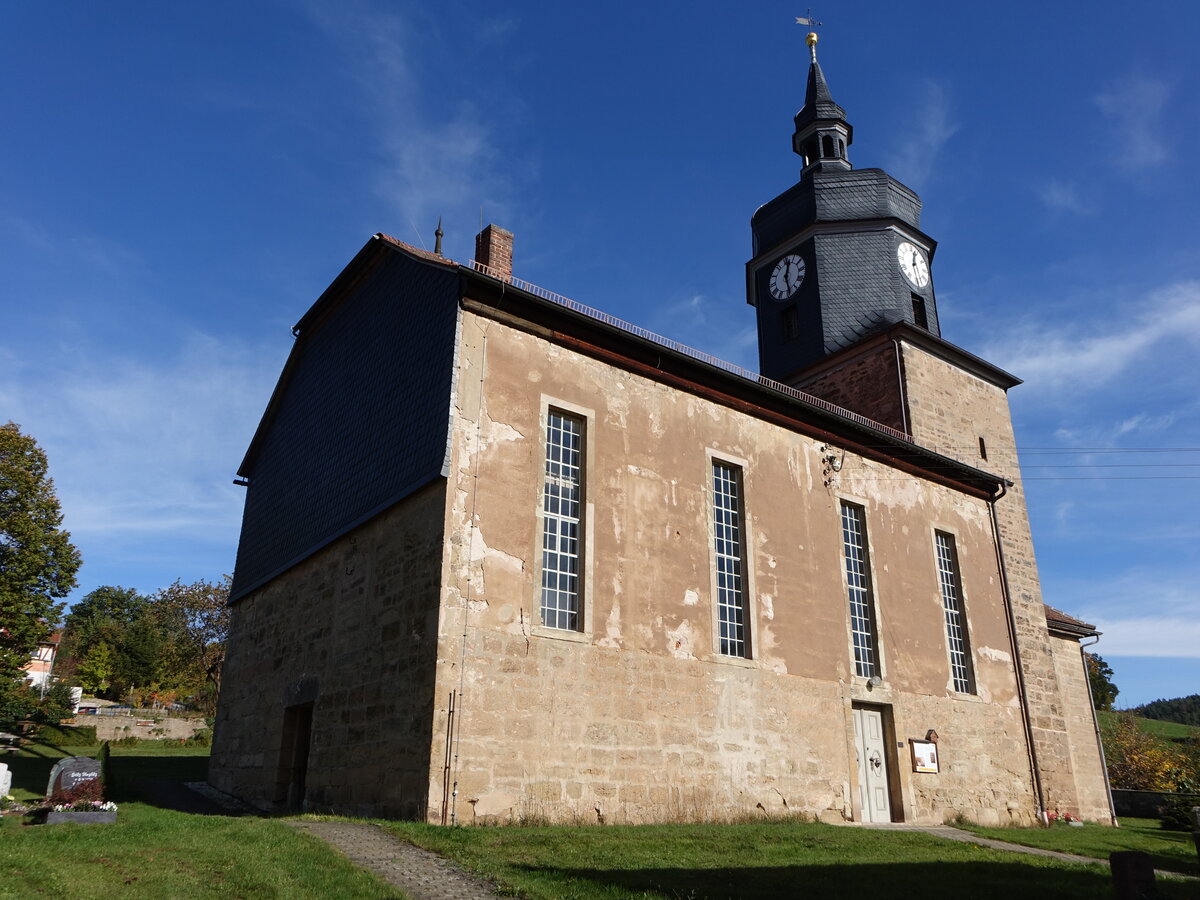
(497,432)
(612,629)
(767,604)
(994,655)
(680,640)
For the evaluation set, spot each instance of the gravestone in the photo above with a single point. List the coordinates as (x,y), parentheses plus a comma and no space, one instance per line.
(1196,829)
(71,772)
(5,780)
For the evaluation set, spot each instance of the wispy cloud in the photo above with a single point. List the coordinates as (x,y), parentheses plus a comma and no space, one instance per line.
(1145,613)
(912,160)
(1168,320)
(1151,636)
(145,447)
(1061,196)
(1135,106)
(90,249)
(698,322)
(437,154)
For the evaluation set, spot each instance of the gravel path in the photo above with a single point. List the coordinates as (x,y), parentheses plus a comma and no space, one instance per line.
(420,874)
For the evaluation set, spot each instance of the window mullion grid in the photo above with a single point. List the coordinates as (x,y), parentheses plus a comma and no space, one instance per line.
(561,506)
(728,561)
(858,584)
(956,636)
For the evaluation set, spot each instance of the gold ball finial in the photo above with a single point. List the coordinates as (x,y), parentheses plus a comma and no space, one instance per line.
(811,40)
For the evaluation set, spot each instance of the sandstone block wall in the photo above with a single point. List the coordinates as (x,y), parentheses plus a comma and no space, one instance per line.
(949,411)
(638,717)
(352,630)
(1086,762)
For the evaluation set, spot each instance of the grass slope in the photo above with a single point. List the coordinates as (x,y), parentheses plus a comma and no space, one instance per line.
(1170,730)
(155,853)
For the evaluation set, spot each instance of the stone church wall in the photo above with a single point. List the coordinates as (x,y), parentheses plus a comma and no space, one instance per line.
(949,411)
(352,630)
(1086,764)
(868,383)
(638,718)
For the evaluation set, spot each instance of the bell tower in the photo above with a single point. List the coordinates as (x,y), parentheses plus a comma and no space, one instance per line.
(843,289)
(838,256)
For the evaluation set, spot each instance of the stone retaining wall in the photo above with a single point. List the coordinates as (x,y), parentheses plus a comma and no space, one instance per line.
(113,728)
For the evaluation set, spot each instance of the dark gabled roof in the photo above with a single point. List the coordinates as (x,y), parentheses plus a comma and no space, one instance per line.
(364,261)
(1059,621)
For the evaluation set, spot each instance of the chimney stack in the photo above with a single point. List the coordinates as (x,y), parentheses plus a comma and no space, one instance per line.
(493,248)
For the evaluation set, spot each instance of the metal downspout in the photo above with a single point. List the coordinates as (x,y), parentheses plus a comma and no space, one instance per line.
(1083,655)
(1018,668)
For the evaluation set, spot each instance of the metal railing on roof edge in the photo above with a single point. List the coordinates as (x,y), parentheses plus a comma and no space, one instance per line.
(700,355)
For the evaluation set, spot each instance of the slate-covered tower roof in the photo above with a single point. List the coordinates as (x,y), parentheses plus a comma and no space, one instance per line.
(839,255)
(822,132)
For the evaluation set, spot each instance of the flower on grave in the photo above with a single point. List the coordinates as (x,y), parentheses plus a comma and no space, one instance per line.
(87,806)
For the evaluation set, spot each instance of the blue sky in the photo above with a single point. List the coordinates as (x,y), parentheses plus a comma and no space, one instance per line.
(178,182)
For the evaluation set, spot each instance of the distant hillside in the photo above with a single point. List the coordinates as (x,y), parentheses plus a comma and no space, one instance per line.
(1184,710)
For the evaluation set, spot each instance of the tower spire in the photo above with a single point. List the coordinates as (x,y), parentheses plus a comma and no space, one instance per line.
(822,132)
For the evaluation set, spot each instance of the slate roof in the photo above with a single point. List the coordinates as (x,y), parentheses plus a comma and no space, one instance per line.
(1057,620)
(818,102)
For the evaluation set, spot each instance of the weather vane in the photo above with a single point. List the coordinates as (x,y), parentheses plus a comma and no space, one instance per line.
(809,20)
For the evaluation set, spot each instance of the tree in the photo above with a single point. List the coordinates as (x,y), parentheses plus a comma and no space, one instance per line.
(1139,761)
(1184,710)
(194,619)
(111,643)
(38,562)
(94,671)
(1104,692)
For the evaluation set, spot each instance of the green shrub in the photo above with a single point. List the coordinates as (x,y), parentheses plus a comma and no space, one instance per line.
(1178,815)
(105,759)
(68,735)
(202,738)
(130,741)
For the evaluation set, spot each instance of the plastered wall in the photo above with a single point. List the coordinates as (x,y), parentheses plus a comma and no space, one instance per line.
(637,717)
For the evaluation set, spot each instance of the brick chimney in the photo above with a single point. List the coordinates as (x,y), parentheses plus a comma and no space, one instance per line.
(493,248)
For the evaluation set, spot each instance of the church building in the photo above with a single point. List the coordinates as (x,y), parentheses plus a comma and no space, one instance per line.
(505,557)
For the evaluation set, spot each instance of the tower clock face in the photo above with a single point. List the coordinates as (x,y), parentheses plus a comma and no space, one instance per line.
(913,264)
(787,276)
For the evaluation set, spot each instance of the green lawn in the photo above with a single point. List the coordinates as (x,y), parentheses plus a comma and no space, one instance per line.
(755,862)
(156,853)
(153,852)
(1171,850)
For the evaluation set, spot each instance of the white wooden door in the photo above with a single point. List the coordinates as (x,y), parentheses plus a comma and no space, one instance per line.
(872,765)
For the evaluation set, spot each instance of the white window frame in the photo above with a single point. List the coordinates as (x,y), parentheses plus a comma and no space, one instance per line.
(714,457)
(729,562)
(582,631)
(868,600)
(954,612)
